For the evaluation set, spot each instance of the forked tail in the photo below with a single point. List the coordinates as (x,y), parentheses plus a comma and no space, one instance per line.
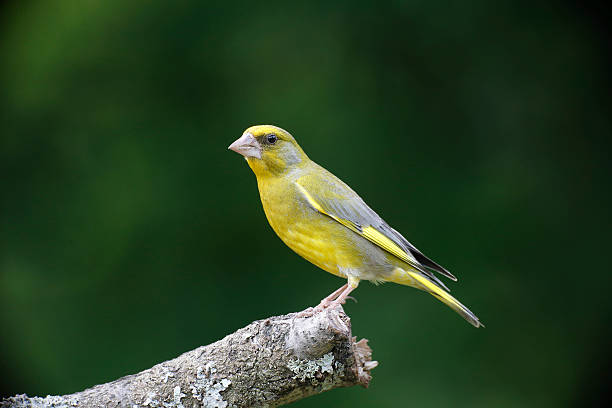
(419,281)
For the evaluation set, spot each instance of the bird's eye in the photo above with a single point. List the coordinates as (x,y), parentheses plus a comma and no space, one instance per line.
(271,138)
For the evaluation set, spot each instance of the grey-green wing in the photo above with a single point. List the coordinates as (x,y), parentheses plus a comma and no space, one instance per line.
(332,197)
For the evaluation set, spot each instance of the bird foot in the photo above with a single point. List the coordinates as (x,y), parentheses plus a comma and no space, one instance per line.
(332,301)
(311,311)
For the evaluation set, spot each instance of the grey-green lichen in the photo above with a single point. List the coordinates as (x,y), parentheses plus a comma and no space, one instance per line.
(177,397)
(50,401)
(207,389)
(167,373)
(307,369)
(153,402)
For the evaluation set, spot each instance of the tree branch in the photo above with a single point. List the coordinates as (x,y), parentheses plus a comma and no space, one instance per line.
(270,362)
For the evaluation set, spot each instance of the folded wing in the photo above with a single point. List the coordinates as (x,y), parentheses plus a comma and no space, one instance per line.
(330,196)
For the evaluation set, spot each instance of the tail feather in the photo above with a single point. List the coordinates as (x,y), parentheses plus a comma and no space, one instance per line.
(416,279)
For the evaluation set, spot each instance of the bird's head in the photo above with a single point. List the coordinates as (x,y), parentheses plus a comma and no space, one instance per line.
(269,150)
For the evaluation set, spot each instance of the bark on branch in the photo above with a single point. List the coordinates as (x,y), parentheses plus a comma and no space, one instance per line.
(268,363)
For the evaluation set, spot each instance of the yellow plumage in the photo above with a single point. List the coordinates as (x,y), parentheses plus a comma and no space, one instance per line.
(328,224)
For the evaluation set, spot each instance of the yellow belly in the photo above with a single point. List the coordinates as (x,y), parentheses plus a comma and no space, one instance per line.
(315,237)
(313,245)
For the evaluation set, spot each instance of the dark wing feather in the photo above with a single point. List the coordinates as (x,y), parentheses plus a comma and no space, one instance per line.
(423,260)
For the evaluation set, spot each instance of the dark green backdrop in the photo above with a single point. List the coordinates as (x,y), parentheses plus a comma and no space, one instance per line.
(129,234)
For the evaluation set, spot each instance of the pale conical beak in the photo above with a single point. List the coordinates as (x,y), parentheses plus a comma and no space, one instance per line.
(247,146)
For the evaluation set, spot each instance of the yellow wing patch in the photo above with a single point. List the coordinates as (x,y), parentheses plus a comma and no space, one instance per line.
(378,238)
(370,233)
(311,200)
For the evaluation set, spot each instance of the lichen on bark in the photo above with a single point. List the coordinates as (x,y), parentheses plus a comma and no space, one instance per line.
(268,363)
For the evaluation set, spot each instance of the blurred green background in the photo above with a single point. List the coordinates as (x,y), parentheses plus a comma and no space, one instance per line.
(481,131)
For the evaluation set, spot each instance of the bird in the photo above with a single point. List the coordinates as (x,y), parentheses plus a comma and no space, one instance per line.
(324,221)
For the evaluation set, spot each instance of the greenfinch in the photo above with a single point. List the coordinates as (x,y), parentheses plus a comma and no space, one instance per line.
(323,220)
